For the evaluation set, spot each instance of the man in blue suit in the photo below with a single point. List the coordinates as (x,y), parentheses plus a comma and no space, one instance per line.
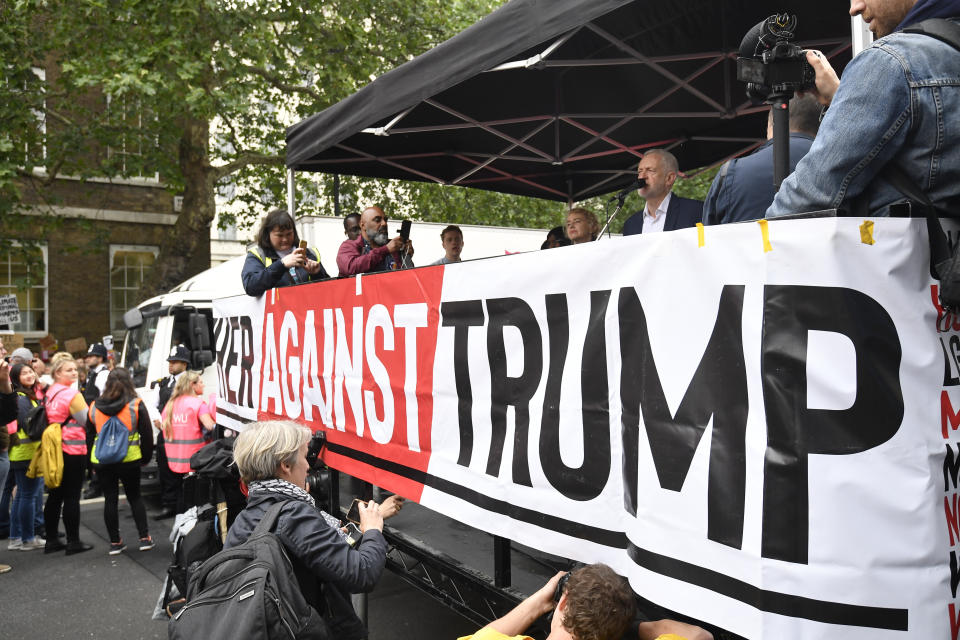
(663,211)
(743,188)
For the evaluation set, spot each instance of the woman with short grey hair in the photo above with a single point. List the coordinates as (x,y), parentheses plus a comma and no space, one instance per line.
(272,459)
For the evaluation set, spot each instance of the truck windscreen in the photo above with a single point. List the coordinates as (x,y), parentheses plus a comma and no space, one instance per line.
(137,348)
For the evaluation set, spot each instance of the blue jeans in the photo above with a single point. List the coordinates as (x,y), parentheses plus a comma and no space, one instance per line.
(23,511)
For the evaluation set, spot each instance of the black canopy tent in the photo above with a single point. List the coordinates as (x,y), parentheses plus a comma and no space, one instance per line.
(558,99)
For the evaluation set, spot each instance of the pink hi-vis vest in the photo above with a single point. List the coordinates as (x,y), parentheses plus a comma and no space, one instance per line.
(74,436)
(187,436)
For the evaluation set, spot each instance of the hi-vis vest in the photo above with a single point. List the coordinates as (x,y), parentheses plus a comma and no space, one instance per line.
(186,437)
(129,420)
(26,447)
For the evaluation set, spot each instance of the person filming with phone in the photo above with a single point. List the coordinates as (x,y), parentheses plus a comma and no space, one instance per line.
(374,250)
(279,258)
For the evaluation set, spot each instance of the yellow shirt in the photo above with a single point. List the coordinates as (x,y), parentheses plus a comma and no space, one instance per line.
(490,634)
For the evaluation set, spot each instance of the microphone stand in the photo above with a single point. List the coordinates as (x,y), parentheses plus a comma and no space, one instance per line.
(620,197)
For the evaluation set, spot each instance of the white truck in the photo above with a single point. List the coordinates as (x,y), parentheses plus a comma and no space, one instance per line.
(184,315)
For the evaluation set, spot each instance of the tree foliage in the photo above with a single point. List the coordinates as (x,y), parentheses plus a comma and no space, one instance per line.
(200,92)
(197,91)
(459,205)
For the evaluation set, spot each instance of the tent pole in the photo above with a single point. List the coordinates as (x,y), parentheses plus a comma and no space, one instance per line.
(291,195)
(336,194)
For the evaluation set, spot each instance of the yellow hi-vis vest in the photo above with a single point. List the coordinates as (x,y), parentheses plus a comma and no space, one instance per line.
(25,448)
(129,420)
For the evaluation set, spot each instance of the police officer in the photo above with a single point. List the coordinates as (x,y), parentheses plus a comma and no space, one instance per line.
(91,389)
(177,363)
(97,372)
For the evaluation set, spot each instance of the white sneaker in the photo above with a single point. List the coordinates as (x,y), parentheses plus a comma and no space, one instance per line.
(14,544)
(36,543)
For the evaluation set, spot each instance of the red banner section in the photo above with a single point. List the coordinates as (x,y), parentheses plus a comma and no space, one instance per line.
(355,357)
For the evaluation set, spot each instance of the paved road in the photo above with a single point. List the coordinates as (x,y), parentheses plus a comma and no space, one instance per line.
(95,595)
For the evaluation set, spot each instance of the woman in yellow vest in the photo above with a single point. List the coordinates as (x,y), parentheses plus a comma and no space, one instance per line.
(22,448)
(277,259)
(187,423)
(119,398)
(66,407)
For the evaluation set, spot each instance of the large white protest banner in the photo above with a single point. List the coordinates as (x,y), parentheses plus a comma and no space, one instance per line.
(756,423)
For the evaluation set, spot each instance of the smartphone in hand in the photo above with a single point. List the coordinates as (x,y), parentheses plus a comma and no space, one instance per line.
(353,514)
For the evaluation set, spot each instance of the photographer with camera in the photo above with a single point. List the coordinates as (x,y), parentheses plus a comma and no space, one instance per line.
(373,250)
(894,111)
(272,458)
(589,603)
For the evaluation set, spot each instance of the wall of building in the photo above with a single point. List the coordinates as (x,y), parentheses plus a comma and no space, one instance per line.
(92,222)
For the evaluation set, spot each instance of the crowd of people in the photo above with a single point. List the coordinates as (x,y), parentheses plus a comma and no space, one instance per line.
(60,458)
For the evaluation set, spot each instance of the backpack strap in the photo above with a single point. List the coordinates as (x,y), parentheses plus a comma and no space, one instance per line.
(939,28)
(269,519)
(45,399)
(724,170)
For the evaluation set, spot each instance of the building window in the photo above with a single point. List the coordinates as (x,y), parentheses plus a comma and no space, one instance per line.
(129,265)
(28,94)
(126,156)
(23,273)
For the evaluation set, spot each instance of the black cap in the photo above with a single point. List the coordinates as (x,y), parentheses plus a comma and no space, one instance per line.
(97,349)
(179,354)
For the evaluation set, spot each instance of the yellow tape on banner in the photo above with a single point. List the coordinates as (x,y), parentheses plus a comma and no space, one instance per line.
(765,231)
(699,234)
(866,232)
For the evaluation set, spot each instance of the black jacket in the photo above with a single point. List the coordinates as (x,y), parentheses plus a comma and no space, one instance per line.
(316,546)
(143,423)
(8,407)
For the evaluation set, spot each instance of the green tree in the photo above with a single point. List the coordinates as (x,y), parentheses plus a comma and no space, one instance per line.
(459,205)
(201,89)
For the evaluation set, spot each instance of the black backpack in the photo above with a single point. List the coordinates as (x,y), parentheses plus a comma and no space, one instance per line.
(89,389)
(36,422)
(193,549)
(249,591)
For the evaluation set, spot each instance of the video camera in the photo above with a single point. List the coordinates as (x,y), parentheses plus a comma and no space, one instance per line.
(770,64)
(318,477)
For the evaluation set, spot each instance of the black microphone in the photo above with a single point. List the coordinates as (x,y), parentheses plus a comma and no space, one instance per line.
(639,183)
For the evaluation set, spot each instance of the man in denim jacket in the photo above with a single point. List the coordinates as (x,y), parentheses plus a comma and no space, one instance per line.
(899,102)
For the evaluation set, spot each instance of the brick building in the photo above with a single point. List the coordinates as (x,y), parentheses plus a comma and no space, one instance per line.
(106,236)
